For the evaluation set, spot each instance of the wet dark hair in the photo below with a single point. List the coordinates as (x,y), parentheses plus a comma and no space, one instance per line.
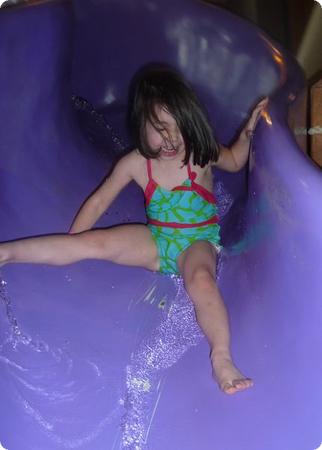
(164,86)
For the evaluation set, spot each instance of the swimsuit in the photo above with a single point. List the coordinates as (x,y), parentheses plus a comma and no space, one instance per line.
(179,217)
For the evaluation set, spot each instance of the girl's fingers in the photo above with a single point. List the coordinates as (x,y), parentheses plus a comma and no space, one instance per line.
(263,102)
(260,106)
(251,124)
(255,115)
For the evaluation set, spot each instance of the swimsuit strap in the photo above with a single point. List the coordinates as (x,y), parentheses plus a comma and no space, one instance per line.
(192,175)
(151,186)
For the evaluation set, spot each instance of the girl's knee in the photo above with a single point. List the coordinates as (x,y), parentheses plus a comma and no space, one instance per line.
(94,242)
(199,279)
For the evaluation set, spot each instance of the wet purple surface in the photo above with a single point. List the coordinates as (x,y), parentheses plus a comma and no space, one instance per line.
(98,356)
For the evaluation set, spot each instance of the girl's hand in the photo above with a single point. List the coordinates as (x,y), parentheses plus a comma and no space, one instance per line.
(249,128)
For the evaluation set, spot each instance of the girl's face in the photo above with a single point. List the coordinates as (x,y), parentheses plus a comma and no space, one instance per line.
(164,135)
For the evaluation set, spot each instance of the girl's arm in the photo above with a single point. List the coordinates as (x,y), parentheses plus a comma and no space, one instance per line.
(101,199)
(234,159)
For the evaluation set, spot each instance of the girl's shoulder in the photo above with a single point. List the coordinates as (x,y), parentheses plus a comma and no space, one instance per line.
(133,159)
(136,164)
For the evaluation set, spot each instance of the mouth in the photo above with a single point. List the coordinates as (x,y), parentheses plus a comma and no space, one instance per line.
(169,151)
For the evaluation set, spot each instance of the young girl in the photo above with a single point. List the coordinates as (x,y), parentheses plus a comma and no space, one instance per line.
(172,161)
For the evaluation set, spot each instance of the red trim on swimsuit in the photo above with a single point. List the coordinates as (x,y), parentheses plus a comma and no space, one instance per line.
(203,192)
(152,185)
(182,225)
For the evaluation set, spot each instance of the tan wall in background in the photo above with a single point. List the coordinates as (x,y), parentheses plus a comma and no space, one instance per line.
(297,119)
(316,121)
(309,54)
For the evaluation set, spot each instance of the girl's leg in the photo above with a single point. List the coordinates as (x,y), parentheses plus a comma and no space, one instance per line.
(132,245)
(197,266)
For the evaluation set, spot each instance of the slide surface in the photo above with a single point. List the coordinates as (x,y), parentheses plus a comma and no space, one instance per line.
(96,356)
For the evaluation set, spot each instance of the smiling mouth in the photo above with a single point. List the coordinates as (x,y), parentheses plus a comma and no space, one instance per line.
(171,149)
(168,151)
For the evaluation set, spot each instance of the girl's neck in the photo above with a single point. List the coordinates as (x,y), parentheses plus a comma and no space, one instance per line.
(170,169)
(170,163)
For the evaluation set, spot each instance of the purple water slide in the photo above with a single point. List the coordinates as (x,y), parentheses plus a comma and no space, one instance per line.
(99,356)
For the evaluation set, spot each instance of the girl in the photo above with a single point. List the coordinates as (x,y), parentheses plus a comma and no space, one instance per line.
(172,161)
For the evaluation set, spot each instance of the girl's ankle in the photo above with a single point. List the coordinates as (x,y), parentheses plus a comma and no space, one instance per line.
(220,354)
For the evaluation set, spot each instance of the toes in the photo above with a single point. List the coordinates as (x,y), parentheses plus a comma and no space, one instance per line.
(228,388)
(243,383)
(237,385)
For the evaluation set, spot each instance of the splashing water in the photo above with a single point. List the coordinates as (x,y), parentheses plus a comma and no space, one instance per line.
(54,379)
(144,380)
(145,376)
(224,199)
(47,385)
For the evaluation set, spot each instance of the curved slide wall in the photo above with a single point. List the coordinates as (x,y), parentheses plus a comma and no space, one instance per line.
(98,356)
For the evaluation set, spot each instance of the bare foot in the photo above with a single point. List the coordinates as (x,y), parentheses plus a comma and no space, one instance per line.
(228,377)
